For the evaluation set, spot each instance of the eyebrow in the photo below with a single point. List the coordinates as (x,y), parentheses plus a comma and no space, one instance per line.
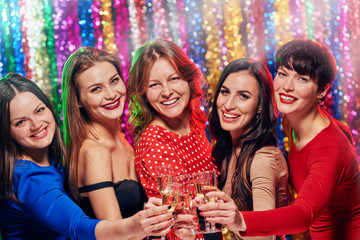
(171,75)
(110,78)
(37,107)
(286,70)
(241,91)
(283,68)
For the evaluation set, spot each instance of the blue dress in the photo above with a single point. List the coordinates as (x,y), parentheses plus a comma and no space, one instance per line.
(44,211)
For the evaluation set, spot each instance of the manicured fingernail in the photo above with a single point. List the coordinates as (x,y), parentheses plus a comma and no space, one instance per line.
(171,227)
(195,218)
(169,207)
(173,213)
(200,208)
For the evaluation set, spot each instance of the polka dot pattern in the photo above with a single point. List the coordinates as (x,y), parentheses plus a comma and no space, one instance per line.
(187,153)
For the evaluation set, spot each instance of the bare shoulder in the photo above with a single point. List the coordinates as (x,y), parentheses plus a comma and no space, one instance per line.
(92,150)
(94,163)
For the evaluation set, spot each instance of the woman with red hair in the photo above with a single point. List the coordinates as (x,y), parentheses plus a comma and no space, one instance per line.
(169,125)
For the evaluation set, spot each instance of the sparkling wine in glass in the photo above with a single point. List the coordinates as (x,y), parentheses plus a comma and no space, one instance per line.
(206,182)
(164,175)
(186,193)
(171,196)
(205,190)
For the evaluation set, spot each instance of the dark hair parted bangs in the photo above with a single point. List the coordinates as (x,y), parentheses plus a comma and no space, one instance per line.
(310,58)
(10,86)
(262,132)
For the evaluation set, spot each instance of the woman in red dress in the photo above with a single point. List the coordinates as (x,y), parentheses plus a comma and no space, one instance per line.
(169,125)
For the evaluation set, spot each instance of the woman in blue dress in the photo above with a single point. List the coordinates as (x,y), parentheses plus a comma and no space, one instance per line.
(33,200)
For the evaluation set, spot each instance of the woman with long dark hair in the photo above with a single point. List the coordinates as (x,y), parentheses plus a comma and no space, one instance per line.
(243,122)
(322,161)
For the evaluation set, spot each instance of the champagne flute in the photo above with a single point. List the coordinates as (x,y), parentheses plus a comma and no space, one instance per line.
(171,197)
(209,188)
(164,175)
(186,193)
(206,182)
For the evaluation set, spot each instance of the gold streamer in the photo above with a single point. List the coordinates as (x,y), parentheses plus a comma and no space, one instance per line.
(282,22)
(213,54)
(108,26)
(233,19)
(227,234)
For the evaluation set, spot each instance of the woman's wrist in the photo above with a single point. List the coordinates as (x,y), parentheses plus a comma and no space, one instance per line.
(242,227)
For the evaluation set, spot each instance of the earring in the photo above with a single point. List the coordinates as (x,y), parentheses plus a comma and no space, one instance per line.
(257,115)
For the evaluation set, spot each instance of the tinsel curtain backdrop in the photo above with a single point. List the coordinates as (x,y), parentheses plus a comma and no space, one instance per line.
(37,36)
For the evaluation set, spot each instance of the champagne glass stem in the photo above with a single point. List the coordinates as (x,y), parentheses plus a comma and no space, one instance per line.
(207,225)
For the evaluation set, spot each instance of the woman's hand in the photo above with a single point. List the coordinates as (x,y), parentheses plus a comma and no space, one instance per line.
(153,202)
(155,220)
(185,223)
(224,211)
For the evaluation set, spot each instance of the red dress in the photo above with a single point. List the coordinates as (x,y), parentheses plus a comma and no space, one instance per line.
(187,153)
(326,175)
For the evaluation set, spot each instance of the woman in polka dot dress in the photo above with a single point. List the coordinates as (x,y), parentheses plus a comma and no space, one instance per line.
(169,125)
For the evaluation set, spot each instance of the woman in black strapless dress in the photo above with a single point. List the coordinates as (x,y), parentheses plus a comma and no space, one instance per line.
(101,167)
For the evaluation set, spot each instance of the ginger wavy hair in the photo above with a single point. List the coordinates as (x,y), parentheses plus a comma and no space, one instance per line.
(141,111)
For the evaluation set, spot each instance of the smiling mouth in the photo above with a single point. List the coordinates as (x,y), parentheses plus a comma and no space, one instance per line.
(232,116)
(287,98)
(169,102)
(112,105)
(40,133)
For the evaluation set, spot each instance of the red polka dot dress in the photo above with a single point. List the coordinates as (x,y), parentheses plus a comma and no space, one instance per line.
(187,153)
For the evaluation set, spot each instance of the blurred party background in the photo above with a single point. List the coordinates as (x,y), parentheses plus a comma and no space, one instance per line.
(37,36)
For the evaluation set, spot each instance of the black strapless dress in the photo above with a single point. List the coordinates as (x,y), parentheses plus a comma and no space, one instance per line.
(129,193)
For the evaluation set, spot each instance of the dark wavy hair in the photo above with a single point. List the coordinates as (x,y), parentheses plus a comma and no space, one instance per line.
(262,133)
(141,111)
(10,86)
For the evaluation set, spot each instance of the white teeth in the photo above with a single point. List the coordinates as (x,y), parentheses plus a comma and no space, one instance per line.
(169,102)
(40,133)
(286,98)
(230,115)
(112,104)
